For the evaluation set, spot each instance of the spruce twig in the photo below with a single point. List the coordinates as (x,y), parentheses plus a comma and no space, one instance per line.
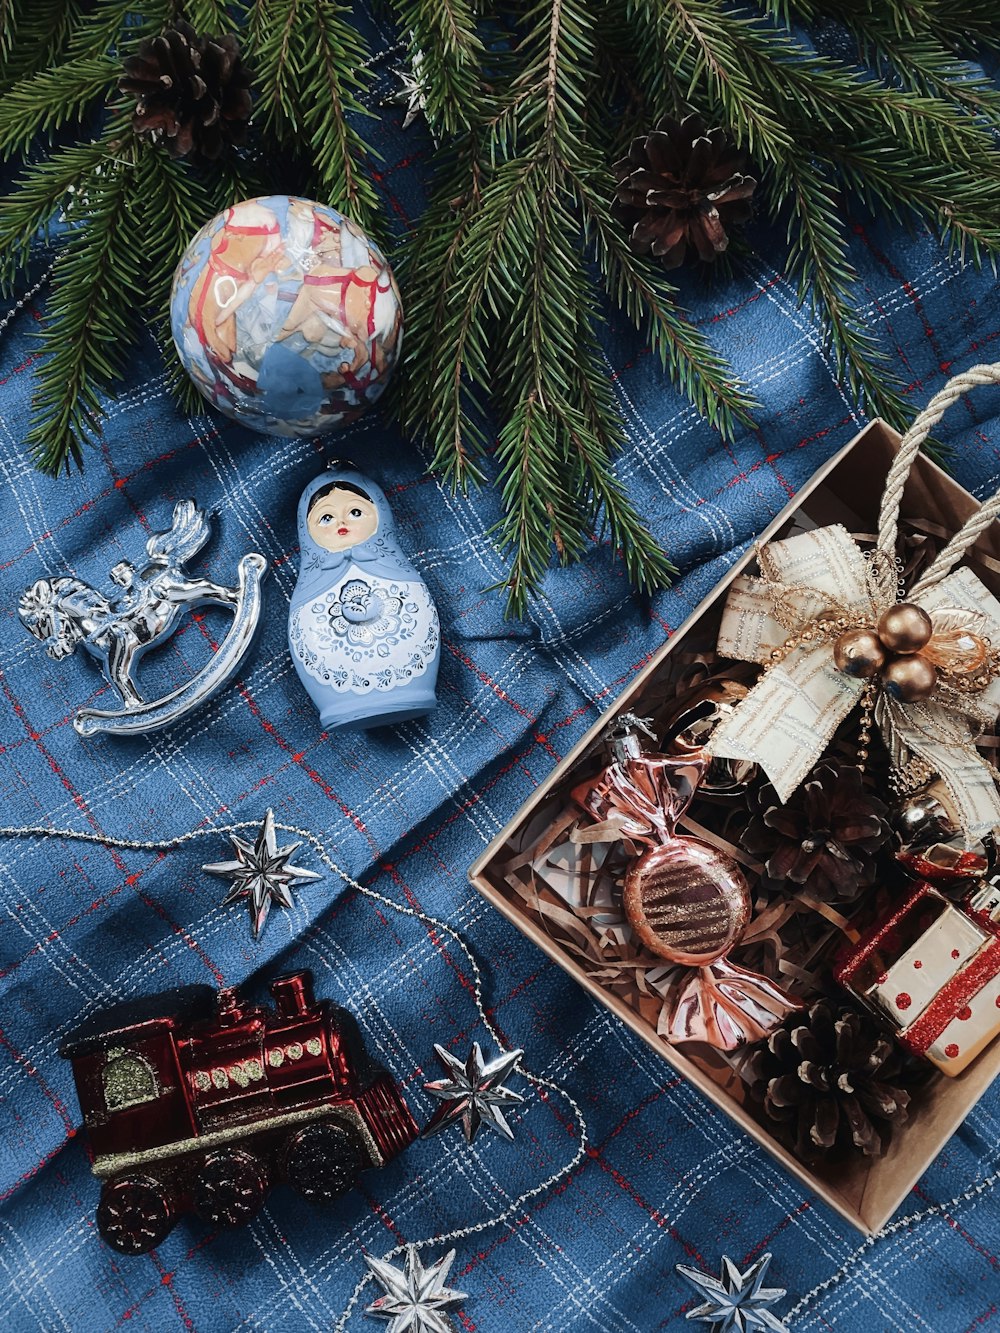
(311,71)
(48,100)
(86,341)
(445,52)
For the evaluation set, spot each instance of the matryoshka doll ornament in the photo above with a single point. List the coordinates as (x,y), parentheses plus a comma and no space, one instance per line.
(362,627)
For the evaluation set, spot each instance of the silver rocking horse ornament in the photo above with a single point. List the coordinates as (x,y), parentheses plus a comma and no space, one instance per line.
(65,612)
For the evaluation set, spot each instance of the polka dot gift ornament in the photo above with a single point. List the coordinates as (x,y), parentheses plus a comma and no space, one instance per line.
(286,316)
(931,967)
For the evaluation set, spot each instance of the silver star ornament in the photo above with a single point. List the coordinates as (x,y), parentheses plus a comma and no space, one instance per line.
(474,1094)
(261,873)
(415,1297)
(737,1302)
(413,90)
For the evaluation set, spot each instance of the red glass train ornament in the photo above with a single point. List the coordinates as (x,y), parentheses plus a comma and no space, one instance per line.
(197,1102)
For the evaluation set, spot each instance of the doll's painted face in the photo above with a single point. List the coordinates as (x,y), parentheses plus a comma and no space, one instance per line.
(341,517)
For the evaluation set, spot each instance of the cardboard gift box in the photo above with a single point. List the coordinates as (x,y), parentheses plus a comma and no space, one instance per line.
(847,490)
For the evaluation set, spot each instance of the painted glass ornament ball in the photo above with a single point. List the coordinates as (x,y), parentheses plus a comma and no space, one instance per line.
(286,316)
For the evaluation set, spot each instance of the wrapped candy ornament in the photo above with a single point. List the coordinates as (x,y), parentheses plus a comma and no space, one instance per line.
(685,900)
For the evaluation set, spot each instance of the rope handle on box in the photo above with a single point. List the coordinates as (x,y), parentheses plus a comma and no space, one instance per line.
(922,426)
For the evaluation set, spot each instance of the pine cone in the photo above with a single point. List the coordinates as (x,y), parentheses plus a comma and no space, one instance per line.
(825,839)
(832,1079)
(192,92)
(680,188)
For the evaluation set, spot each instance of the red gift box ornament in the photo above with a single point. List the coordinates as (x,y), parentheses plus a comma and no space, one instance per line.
(932,968)
(685,900)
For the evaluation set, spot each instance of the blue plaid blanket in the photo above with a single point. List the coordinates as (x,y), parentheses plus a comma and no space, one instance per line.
(665,1178)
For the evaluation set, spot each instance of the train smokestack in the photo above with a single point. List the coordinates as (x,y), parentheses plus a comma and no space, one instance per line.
(293,994)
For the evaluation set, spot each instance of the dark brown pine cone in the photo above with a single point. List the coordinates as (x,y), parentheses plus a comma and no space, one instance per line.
(192,93)
(825,839)
(680,188)
(830,1078)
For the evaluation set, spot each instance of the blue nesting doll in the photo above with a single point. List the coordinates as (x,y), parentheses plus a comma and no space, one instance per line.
(362,628)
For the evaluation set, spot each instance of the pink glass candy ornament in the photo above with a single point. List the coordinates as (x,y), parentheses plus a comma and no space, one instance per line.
(685,900)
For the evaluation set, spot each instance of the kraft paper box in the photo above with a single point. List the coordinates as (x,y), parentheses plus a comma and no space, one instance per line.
(846,490)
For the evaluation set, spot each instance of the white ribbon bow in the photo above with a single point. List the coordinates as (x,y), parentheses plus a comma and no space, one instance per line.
(788,718)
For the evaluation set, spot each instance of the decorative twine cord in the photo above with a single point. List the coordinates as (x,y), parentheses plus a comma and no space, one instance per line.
(434,924)
(904,1223)
(900,470)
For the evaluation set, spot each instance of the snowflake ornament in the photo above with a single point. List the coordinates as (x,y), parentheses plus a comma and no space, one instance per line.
(474,1094)
(737,1302)
(261,873)
(415,1297)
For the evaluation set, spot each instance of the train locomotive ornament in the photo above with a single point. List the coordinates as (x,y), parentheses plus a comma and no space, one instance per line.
(197,1102)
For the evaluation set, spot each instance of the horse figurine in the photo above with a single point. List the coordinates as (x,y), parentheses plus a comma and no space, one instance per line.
(64,613)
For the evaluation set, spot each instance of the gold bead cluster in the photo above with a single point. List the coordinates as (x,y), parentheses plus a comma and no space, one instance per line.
(889,650)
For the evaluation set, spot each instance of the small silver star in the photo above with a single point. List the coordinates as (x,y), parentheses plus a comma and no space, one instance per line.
(474,1093)
(736,1302)
(261,873)
(415,1296)
(413,89)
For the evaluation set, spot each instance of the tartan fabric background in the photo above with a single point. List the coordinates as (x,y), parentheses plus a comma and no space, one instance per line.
(666,1178)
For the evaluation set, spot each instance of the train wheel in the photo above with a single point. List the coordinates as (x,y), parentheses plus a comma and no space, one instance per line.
(322,1160)
(230,1188)
(134,1214)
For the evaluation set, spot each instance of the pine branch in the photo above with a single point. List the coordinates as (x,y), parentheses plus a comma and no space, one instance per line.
(761,76)
(786,12)
(86,340)
(438,400)
(646,563)
(173,203)
(920,63)
(311,70)
(893,146)
(818,257)
(8,28)
(704,48)
(529,455)
(275,37)
(40,191)
(32,32)
(964,209)
(523,245)
(214,17)
(445,53)
(639,289)
(967,24)
(44,102)
(109,26)
(511,265)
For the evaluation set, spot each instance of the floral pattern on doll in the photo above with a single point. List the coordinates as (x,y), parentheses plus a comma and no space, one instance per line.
(365,615)
(365,622)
